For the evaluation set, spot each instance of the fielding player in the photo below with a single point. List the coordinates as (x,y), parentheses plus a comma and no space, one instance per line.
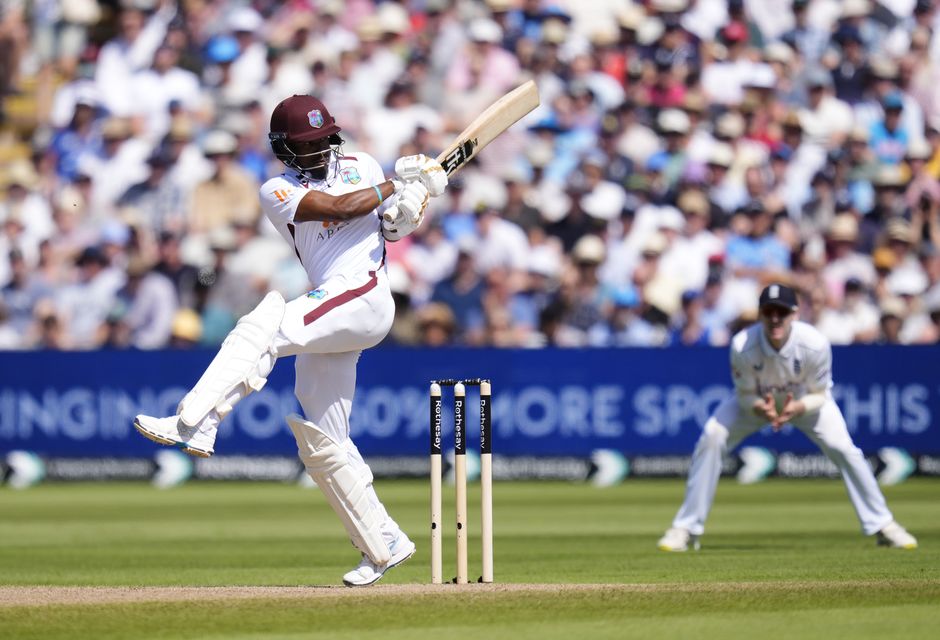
(334,210)
(782,371)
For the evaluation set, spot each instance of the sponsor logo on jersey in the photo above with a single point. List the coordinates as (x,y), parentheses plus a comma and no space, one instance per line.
(317,294)
(283,194)
(350,175)
(315,118)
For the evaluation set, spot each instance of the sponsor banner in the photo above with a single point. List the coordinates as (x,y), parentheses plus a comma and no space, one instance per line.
(546,403)
(171,467)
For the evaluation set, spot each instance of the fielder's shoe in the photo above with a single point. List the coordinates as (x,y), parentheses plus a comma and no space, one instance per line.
(676,539)
(896,537)
(369,573)
(173,432)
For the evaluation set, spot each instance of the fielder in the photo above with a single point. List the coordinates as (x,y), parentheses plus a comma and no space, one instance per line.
(782,371)
(336,211)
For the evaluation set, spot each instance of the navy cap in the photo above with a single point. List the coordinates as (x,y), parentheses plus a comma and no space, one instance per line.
(778,295)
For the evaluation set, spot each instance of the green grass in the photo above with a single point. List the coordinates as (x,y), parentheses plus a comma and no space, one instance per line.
(782,559)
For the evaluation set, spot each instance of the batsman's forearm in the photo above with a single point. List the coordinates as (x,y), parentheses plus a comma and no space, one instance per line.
(319,206)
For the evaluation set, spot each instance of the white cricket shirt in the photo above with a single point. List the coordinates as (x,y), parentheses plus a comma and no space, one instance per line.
(803,365)
(328,249)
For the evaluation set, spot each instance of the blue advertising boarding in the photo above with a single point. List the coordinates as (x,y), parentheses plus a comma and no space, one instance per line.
(548,402)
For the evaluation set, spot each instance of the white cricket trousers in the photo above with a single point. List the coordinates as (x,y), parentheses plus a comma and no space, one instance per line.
(327,330)
(729,425)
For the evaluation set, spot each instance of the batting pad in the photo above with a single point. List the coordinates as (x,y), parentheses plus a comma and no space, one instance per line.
(345,489)
(239,362)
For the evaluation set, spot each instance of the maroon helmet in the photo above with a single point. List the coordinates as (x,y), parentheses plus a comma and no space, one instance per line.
(297,122)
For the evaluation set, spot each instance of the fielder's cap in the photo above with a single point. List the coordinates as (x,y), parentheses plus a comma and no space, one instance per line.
(778,295)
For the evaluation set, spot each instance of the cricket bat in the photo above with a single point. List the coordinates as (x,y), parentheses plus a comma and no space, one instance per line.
(498,117)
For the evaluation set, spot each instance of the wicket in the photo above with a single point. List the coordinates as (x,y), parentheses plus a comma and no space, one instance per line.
(460,477)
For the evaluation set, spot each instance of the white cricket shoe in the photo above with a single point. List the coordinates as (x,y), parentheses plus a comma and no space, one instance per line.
(369,573)
(172,431)
(896,537)
(676,539)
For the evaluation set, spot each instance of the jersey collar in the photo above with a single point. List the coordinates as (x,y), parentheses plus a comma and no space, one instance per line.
(785,351)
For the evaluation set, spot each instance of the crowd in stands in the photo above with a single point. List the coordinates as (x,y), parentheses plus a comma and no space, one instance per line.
(685,153)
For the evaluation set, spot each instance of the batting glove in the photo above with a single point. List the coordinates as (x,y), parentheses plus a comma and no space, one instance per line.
(407,214)
(423,169)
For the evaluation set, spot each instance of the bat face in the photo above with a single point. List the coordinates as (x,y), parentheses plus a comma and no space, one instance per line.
(459,156)
(498,117)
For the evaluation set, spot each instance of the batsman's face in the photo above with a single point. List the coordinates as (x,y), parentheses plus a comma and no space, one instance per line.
(777,321)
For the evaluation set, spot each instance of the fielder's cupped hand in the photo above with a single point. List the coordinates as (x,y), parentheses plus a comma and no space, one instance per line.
(791,409)
(766,408)
(407,214)
(420,168)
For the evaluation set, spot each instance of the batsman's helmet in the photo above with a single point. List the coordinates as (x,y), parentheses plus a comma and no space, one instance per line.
(302,118)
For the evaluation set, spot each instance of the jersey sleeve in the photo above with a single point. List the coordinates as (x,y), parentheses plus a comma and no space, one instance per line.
(279,200)
(819,370)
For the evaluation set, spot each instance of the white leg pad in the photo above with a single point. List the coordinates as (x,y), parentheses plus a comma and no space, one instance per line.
(241,362)
(345,489)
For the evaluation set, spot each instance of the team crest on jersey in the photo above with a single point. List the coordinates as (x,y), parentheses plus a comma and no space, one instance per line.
(315,118)
(350,175)
(317,294)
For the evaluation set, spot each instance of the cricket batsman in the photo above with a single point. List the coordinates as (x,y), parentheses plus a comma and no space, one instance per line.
(336,211)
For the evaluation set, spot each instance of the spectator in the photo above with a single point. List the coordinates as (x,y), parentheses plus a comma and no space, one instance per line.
(228,195)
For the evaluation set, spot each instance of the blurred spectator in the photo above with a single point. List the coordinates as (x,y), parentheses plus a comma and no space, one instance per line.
(146,306)
(86,304)
(229,195)
(697,148)
(186,329)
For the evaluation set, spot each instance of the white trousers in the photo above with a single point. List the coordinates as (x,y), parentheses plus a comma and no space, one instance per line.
(729,425)
(327,332)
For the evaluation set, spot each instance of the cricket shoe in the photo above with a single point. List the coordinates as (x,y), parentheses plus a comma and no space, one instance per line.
(369,573)
(172,431)
(896,537)
(677,539)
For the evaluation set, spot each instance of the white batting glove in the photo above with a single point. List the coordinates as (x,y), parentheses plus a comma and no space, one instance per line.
(406,215)
(423,169)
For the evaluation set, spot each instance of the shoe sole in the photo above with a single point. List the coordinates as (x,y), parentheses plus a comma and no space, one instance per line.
(391,565)
(199,453)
